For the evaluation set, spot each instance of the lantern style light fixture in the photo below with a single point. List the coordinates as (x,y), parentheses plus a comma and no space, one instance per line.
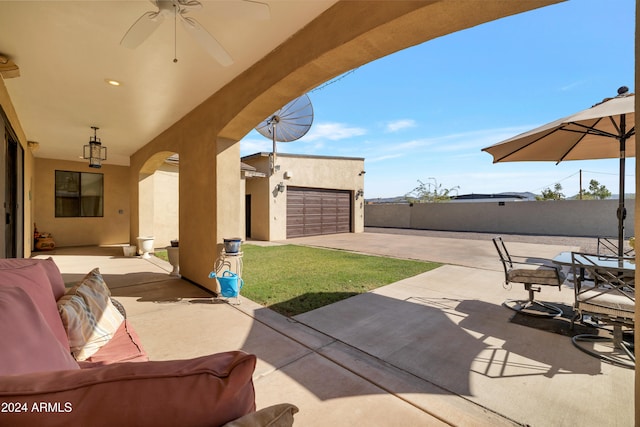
(94,151)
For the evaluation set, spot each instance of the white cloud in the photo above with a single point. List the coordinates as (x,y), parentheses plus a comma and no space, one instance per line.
(251,146)
(333,132)
(573,85)
(397,125)
(466,142)
(385,157)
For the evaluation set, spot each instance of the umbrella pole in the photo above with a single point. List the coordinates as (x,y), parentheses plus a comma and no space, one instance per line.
(622,212)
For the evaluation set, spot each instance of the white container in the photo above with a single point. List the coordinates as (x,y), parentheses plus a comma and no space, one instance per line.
(173,253)
(129,250)
(145,246)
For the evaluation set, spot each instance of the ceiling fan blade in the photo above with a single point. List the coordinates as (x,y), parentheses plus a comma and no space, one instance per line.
(142,29)
(207,41)
(244,9)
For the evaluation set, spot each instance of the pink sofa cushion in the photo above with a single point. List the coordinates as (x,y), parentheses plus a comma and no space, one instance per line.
(50,267)
(206,391)
(28,345)
(33,279)
(123,347)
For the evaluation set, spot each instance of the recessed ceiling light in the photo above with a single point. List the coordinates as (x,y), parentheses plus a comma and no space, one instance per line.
(113,82)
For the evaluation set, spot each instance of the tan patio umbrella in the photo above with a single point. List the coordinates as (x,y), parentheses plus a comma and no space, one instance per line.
(599,132)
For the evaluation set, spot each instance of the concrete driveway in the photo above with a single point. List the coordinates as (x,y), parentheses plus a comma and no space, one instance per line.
(468,252)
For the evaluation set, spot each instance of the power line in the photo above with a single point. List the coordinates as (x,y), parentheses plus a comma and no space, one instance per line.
(576,173)
(557,182)
(607,173)
(336,80)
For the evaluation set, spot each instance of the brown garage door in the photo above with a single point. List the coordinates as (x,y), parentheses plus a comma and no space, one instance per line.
(313,211)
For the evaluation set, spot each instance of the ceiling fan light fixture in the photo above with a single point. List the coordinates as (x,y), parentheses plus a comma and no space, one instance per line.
(146,24)
(94,151)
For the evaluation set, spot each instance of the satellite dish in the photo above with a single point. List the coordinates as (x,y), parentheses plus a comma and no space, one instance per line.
(289,123)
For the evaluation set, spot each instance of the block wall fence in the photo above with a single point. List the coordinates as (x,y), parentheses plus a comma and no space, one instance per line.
(592,218)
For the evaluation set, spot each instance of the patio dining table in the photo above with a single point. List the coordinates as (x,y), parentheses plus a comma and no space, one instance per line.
(604,262)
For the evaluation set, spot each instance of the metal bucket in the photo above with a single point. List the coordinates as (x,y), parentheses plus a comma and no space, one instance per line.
(232,245)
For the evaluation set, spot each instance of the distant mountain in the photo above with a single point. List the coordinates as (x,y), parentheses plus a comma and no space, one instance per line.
(613,196)
(397,199)
(525,196)
(497,196)
(482,197)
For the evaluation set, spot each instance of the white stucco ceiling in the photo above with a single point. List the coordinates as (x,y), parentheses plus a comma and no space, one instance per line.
(67,49)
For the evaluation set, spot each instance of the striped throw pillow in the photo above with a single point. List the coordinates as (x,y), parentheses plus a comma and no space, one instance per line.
(88,315)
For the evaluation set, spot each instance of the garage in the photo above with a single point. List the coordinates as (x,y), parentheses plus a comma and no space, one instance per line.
(314,211)
(303,196)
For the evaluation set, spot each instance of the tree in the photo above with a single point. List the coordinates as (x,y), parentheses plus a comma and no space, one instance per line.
(596,191)
(549,194)
(428,193)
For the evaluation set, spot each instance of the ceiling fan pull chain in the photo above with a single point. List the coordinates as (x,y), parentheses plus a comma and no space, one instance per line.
(175,34)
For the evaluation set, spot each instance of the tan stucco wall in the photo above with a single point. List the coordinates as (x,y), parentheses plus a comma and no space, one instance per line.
(258,189)
(146,206)
(112,228)
(269,207)
(158,205)
(166,199)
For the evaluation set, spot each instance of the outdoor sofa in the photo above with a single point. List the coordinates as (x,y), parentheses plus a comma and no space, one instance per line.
(70,357)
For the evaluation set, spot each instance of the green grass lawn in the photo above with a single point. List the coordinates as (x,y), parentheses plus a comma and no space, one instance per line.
(295,279)
(162,254)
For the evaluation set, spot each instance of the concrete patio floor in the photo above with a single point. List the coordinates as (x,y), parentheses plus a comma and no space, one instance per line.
(434,349)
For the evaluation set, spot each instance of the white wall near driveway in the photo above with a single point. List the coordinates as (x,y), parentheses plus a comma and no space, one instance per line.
(561,218)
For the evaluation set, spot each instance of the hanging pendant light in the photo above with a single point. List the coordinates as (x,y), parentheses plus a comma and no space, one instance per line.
(94,151)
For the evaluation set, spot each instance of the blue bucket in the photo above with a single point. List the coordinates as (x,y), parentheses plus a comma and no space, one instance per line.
(232,245)
(229,287)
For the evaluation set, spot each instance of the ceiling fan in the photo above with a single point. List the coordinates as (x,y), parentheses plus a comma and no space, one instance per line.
(150,21)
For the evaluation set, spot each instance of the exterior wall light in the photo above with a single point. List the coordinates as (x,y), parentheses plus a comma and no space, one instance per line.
(281,187)
(33,146)
(359,193)
(94,151)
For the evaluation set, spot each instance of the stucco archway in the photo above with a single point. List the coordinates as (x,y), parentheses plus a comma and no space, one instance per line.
(345,36)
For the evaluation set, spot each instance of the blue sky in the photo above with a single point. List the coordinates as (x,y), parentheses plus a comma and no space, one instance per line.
(425,113)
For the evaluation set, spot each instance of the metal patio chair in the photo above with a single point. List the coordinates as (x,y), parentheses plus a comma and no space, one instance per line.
(533,273)
(606,300)
(609,247)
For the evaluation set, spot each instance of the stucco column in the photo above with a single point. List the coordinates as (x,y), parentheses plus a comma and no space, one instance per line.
(230,203)
(210,205)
